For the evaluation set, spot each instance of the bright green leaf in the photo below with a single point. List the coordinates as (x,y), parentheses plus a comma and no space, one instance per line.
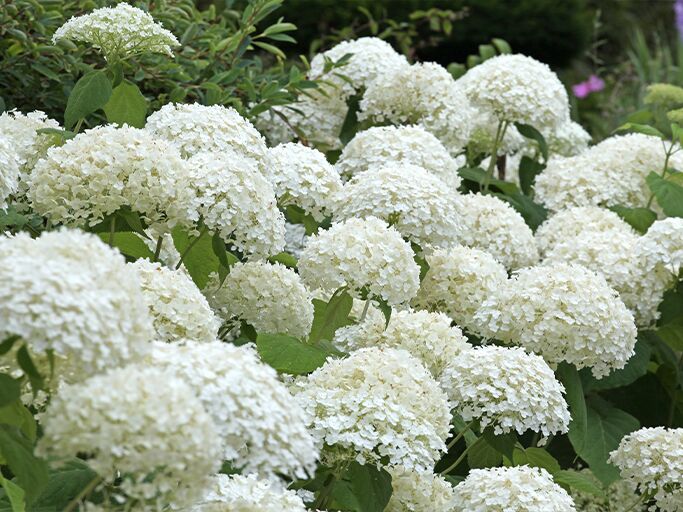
(91,93)
(126,105)
(640,219)
(15,494)
(199,260)
(350,125)
(580,481)
(30,471)
(10,390)
(669,195)
(532,133)
(578,425)
(129,244)
(640,128)
(535,457)
(362,488)
(330,316)
(64,484)
(289,355)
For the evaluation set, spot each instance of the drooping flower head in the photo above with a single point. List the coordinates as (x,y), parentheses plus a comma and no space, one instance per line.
(178,308)
(383,146)
(270,297)
(69,292)
(507,389)
(261,427)
(458,281)
(303,177)
(379,402)
(519,488)
(563,312)
(118,32)
(365,255)
(106,168)
(418,204)
(140,424)
(9,170)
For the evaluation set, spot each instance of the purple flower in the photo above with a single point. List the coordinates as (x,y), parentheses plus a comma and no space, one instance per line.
(593,84)
(678,10)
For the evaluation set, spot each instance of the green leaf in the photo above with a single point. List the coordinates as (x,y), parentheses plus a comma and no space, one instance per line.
(361,488)
(129,244)
(528,170)
(635,368)
(26,364)
(533,213)
(640,219)
(289,355)
(535,457)
(330,316)
(672,333)
(640,128)
(456,70)
(486,51)
(532,133)
(17,415)
(271,49)
(460,425)
(10,390)
(15,494)
(30,471)
(607,425)
(578,426)
(503,443)
(478,176)
(285,259)
(482,455)
(64,484)
(91,93)
(501,45)
(225,259)
(200,260)
(385,308)
(669,195)
(126,105)
(350,125)
(579,481)
(8,343)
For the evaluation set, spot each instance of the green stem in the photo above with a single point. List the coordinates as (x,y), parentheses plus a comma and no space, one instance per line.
(460,434)
(634,505)
(457,461)
(500,132)
(78,125)
(365,311)
(157,251)
(112,230)
(674,397)
(189,247)
(666,165)
(83,494)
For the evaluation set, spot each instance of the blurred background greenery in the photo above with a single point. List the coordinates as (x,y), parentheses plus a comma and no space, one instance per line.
(624,44)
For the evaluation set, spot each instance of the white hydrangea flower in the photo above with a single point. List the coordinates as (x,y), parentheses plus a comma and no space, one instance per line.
(22,130)
(196,128)
(273,127)
(137,423)
(419,491)
(379,402)
(363,254)
(492,225)
(318,117)
(238,493)
(118,32)
(662,246)
(9,170)
(169,255)
(427,336)
(418,204)
(106,168)
(382,146)
(610,173)
(520,488)
(270,297)
(568,138)
(563,312)
(371,58)
(262,429)
(507,389)
(458,281)
(517,88)
(237,202)
(303,177)
(652,460)
(425,94)
(69,292)
(362,330)
(295,239)
(175,303)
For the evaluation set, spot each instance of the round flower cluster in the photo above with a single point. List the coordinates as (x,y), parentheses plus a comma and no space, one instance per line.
(70,293)
(9,170)
(415,202)
(260,426)
(195,128)
(425,94)
(119,32)
(176,305)
(370,58)
(237,202)
(106,168)
(516,88)
(508,389)
(458,281)
(416,491)
(568,139)
(366,255)
(427,336)
(379,402)
(562,312)
(610,173)
(492,225)
(662,246)
(520,488)
(268,296)
(652,459)
(238,493)
(303,177)
(139,423)
(383,146)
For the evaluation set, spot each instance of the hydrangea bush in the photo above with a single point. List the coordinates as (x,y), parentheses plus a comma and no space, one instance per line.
(396,290)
